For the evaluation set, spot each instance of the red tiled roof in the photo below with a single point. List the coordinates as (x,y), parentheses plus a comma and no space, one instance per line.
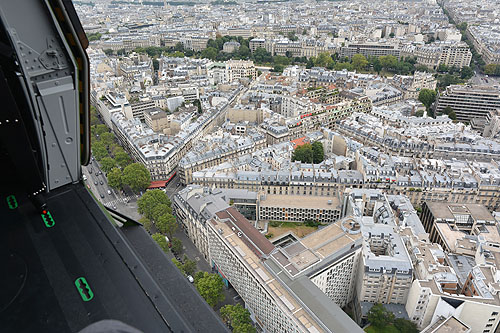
(298,142)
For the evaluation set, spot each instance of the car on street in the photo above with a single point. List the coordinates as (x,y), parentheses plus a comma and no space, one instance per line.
(84,178)
(114,207)
(100,172)
(101,182)
(102,196)
(190,278)
(95,182)
(97,174)
(178,184)
(109,192)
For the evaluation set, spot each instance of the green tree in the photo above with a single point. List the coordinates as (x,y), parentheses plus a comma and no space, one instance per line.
(262,56)
(100,129)
(406,326)
(176,245)
(237,317)
(318,152)
(166,224)
(489,69)
(427,97)
(178,264)
(244,328)
(160,210)
(419,113)
(466,73)
(115,178)
(323,60)
(210,287)
(210,53)
(281,60)
(136,176)
(122,159)
(146,223)
(189,265)
(177,54)
(303,153)
(244,51)
(179,47)
(452,115)
(379,317)
(99,150)
(388,61)
(291,36)
(161,241)
(310,63)
(149,200)
(108,164)
(447,110)
(278,68)
(359,62)
(391,35)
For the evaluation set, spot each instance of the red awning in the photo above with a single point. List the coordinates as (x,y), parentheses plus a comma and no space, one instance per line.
(157,184)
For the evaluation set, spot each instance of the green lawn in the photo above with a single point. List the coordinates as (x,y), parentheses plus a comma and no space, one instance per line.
(387,329)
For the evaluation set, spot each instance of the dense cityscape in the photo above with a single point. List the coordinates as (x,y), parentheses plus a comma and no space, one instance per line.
(312,166)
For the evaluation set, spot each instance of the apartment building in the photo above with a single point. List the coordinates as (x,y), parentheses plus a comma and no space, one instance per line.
(159,153)
(469,101)
(385,269)
(411,85)
(292,106)
(240,69)
(214,150)
(452,55)
(157,119)
(485,41)
(195,43)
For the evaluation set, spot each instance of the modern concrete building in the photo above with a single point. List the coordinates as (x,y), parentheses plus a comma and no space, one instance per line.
(468,101)
(289,289)
(296,288)
(450,225)
(278,207)
(370,50)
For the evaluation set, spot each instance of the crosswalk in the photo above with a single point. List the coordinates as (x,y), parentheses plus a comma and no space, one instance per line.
(117,200)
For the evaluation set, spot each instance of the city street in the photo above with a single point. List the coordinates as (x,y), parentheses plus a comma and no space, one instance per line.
(125,204)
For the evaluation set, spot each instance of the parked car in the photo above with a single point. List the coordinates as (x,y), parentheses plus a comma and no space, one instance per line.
(101,182)
(102,196)
(95,182)
(109,192)
(190,278)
